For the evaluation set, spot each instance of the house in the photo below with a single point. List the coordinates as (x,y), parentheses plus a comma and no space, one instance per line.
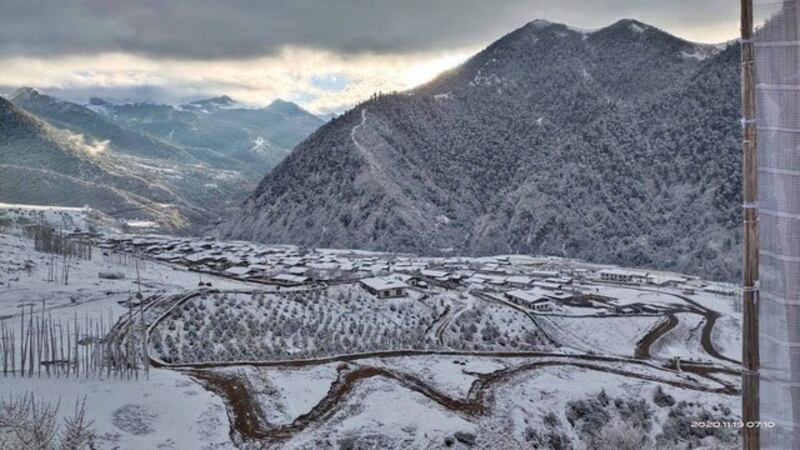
(662,279)
(238,271)
(384,287)
(298,270)
(547,285)
(720,289)
(435,274)
(404,277)
(561,296)
(544,274)
(623,276)
(519,281)
(564,281)
(287,279)
(533,299)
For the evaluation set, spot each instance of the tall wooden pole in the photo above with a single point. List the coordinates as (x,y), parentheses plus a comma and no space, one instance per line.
(750,357)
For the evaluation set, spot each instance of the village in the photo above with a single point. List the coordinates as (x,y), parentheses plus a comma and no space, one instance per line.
(277,343)
(542,284)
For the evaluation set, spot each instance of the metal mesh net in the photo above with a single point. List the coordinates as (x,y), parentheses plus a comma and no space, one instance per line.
(777,55)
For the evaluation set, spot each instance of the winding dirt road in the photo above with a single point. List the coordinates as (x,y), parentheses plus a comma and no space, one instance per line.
(247,418)
(665,326)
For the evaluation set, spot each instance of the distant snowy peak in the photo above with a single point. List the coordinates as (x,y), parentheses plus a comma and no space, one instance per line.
(211,105)
(636,27)
(629,25)
(99,105)
(97,101)
(28,94)
(540,23)
(287,108)
(222,100)
(646,58)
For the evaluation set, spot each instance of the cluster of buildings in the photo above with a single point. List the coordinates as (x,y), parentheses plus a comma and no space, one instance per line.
(535,282)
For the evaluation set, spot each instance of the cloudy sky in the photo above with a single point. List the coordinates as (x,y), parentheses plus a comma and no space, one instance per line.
(324,54)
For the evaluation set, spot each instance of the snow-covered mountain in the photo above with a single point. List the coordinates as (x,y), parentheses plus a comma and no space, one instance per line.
(45,165)
(260,137)
(616,145)
(111,157)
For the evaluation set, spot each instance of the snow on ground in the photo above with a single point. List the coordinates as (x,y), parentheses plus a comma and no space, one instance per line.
(168,411)
(64,217)
(530,396)
(285,394)
(604,335)
(171,411)
(627,296)
(727,336)
(338,320)
(382,414)
(723,304)
(683,340)
(452,375)
(24,277)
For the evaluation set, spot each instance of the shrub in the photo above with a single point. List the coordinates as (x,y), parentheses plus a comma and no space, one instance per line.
(663,399)
(621,435)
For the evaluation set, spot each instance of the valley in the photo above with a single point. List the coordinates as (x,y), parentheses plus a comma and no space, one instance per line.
(181,167)
(534,249)
(292,347)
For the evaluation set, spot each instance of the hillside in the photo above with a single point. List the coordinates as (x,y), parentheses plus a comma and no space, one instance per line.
(618,145)
(44,165)
(114,158)
(258,137)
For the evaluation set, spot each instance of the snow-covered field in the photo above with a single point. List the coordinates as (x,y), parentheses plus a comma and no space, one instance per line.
(167,411)
(602,335)
(464,367)
(683,340)
(383,415)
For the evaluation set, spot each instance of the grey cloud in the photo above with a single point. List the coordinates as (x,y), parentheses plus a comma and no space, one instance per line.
(215,29)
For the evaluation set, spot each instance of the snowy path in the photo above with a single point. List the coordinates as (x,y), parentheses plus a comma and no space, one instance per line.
(248,421)
(368,156)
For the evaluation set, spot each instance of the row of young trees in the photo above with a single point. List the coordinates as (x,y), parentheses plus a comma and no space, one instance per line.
(340,320)
(81,347)
(63,247)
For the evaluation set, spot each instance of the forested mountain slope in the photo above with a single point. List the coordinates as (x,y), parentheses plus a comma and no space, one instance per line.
(616,146)
(182,167)
(259,137)
(48,166)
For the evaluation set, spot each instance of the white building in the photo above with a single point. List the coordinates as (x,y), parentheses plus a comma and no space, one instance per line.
(544,273)
(384,287)
(287,279)
(533,299)
(435,274)
(622,276)
(519,281)
(547,285)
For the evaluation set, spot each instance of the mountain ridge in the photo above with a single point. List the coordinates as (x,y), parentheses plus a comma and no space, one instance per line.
(507,154)
(90,155)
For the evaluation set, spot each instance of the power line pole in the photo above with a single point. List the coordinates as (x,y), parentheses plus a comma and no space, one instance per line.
(750,356)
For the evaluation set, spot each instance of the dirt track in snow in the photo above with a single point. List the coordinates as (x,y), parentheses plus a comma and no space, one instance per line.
(247,419)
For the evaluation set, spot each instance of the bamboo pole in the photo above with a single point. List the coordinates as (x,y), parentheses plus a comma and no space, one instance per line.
(750,356)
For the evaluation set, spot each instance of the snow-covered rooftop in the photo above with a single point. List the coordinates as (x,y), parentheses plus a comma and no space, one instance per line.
(384,283)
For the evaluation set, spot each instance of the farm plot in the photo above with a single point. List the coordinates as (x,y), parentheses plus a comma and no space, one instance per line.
(343,319)
(481,323)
